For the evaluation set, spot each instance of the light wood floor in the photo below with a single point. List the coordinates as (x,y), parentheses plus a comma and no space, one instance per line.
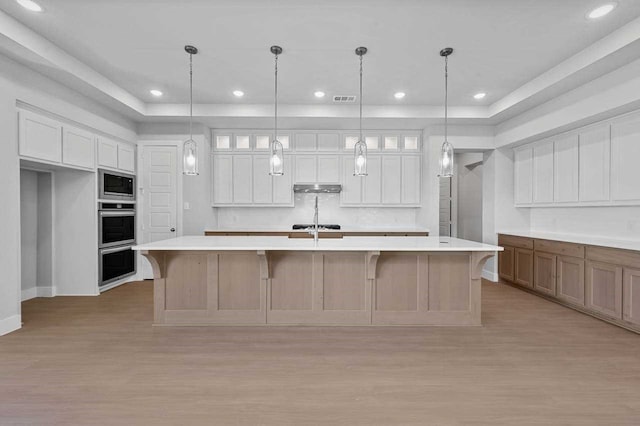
(83,360)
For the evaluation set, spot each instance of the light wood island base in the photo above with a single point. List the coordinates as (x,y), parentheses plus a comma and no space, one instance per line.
(263,287)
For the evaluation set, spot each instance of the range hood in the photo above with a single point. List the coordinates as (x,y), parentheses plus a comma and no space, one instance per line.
(316,188)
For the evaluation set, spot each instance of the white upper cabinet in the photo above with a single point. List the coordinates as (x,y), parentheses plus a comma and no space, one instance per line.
(523,175)
(78,148)
(594,162)
(351,185)
(282,186)
(305,142)
(306,169)
(625,164)
(39,137)
(317,169)
(328,142)
(565,171)
(391,179)
(126,157)
(243,179)
(543,172)
(328,169)
(262,181)
(372,184)
(222,179)
(107,153)
(411,177)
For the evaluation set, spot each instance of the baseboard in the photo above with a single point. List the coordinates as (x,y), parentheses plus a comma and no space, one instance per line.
(490,275)
(33,292)
(10,324)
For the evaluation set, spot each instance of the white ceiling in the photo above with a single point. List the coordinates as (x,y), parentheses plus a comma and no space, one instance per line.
(500,45)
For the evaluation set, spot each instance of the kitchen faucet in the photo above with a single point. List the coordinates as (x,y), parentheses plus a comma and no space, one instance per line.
(314,230)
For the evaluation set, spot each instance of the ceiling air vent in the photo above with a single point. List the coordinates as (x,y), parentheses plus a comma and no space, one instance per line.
(344,99)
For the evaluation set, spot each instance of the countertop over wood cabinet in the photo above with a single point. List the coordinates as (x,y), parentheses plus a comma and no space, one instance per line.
(597,276)
(329,233)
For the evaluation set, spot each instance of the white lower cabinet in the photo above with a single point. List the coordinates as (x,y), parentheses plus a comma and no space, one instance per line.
(39,137)
(78,148)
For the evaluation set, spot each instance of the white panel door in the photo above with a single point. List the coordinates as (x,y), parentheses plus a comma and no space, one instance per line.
(543,172)
(328,169)
(283,185)
(242,179)
(222,179)
(565,170)
(78,148)
(594,164)
(107,153)
(159,183)
(372,184)
(351,185)
(39,137)
(262,181)
(411,179)
(126,157)
(625,153)
(306,169)
(523,175)
(391,179)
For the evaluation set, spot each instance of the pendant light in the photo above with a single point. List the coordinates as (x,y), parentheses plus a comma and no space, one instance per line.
(360,148)
(446,153)
(276,161)
(190,147)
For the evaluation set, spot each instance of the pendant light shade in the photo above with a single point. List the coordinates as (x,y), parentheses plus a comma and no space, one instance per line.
(446,153)
(360,148)
(276,161)
(190,147)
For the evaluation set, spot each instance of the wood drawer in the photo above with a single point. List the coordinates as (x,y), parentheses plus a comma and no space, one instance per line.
(559,247)
(614,256)
(513,241)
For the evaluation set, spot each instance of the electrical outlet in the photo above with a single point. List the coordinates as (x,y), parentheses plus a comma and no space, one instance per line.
(187,206)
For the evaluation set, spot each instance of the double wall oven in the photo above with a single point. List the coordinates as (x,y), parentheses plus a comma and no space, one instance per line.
(116,226)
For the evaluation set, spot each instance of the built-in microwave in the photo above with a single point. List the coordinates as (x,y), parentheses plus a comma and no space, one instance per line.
(116,186)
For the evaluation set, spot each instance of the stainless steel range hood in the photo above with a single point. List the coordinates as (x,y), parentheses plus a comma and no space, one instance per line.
(316,188)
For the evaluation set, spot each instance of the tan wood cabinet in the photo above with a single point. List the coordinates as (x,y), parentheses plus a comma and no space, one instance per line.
(604,288)
(544,275)
(570,280)
(523,262)
(631,296)
(506,269)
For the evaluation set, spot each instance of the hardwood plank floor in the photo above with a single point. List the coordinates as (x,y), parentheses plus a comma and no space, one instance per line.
(97,360)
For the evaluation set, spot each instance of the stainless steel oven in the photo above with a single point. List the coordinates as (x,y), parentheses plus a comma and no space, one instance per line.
(116,263)
(116,224)
(116,186)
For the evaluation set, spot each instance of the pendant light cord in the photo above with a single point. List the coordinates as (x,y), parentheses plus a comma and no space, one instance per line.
(360,97)
(275,125)
(190,96)
(446,96)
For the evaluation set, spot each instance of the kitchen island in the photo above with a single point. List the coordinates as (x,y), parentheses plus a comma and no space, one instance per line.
(275,280)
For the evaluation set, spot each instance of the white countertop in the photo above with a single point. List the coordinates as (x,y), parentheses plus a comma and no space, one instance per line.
(343,229)
(238,243)
(578,239)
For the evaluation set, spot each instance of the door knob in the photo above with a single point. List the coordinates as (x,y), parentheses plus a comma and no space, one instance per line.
(173,229)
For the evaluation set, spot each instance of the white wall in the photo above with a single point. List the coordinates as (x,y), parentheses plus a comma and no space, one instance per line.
(29,230)
(469,196)
(18,83)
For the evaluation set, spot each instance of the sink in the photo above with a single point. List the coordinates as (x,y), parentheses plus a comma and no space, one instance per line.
(304,226)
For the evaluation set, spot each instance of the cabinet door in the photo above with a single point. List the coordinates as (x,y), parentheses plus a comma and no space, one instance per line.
(262,181)
(39,137)
(505,264)
(372,184)
(523,175)
(411,178)
(283,185)
(328,169)
(625,152)
(523,262)
(543,173)
(306,169)
(604,289)
(107,153)
(78,148)
(391,180)
(570,280)
(631,296)
(594,164)
(222,179)
(126,157)
(242,181)
(351,185)
(565,170)
(544,274)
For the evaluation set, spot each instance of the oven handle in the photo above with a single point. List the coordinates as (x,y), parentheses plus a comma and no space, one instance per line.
(117,213)
(114,250)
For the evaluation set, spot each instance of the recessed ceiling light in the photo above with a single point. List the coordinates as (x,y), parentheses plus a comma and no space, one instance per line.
(155,92)
(601,11)
(238,93)
(30,5)
(399,95)
(479,96)
(319,94)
